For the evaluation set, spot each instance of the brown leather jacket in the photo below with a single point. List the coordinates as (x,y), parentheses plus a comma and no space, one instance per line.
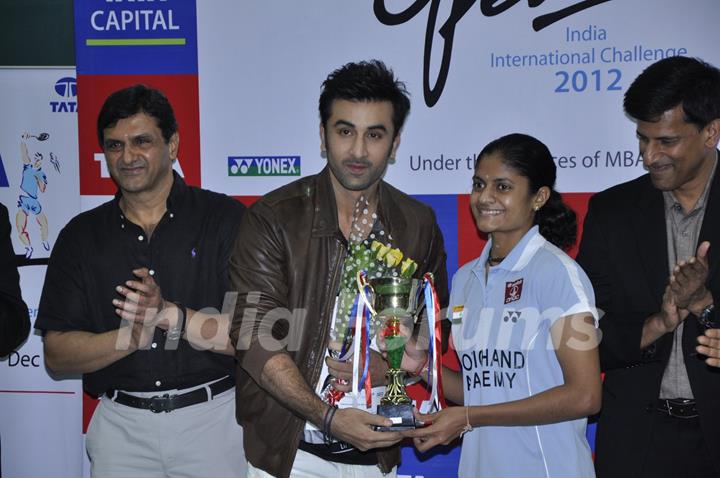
(290,250)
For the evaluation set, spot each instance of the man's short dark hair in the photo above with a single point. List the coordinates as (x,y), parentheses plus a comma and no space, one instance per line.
(668,83)
(133,100)
(365,81)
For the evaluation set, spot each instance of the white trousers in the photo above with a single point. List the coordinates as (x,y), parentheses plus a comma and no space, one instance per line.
(202,440)
(307,465)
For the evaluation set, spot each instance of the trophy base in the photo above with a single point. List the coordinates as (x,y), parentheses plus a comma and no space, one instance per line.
(401,416)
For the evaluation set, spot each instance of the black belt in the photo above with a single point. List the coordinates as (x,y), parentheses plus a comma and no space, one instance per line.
(168,403)
(339,452)
(677,407)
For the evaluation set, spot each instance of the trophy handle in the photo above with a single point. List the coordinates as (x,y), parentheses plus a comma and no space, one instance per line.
(362,283)
(417,306)
(416,318)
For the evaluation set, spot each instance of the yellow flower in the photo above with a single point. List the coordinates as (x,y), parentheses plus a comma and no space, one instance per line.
(382,251)
(393,257)
(408,268)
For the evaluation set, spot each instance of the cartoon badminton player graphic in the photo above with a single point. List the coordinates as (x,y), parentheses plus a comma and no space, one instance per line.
(34,181)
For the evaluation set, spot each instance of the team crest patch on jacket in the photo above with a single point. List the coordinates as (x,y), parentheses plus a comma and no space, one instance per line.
(513,290)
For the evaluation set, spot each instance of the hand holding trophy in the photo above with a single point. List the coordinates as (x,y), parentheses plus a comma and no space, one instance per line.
(394,303)
(379,298)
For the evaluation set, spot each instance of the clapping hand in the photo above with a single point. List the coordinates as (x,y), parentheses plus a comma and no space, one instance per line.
(710,347)
(141,304)
(687,281)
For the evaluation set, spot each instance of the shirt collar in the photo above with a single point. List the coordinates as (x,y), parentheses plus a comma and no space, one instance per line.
(177,192)
(325,220)
(519,256)
(672,203)
(173,201)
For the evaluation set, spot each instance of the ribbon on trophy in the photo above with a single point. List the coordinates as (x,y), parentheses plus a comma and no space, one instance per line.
(332,395)
(362,310)
(434,378)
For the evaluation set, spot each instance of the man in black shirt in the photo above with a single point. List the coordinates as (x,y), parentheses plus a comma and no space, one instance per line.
(121,299)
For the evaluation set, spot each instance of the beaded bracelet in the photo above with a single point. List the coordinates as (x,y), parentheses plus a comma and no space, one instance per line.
(467,427)
(327,421)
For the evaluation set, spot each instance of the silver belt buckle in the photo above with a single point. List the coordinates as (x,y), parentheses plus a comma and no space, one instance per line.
(159,403)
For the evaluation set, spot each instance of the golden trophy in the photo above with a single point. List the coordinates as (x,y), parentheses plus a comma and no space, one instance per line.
(395,305)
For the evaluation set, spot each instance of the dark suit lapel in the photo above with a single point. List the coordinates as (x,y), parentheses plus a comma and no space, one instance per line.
(710,230)
(651,237)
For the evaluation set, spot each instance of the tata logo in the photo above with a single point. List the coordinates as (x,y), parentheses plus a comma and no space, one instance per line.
(67,89)
(263,165)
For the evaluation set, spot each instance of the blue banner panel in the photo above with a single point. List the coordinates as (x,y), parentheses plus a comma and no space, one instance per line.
(439,462)
(3,176)
(445,207)
(120,37)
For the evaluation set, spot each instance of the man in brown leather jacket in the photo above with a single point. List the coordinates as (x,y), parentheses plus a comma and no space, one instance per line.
(287,267)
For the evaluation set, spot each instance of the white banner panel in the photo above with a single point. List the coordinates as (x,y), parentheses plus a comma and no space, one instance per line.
(40,105)
(261,65)
(39,416)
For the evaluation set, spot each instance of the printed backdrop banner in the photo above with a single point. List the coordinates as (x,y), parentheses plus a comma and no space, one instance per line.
(39,414)
(245,77)
(476,71)
(116,37)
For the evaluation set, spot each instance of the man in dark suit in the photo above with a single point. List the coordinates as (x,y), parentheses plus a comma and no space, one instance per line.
(651,248)
(14,320)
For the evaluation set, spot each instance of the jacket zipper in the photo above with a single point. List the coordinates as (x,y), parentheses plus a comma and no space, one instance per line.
(329,307)
(325,330)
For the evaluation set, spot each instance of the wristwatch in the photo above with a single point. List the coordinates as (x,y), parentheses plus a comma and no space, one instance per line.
(706,317)
(175,333)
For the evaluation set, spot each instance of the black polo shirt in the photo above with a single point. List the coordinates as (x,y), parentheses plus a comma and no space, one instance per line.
(189,256)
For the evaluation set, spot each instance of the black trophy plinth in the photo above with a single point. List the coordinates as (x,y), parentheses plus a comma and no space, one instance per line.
(401,415)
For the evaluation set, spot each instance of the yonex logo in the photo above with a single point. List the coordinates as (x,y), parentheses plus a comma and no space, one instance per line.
(263,165)
(511,315)
(66,87)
